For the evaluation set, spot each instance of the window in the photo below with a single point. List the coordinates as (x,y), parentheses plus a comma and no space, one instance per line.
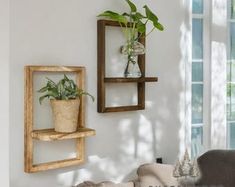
(197,84)
(231,76)
(211,22)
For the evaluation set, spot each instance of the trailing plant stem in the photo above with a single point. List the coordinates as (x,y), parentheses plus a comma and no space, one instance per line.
(124,30)
(150,32)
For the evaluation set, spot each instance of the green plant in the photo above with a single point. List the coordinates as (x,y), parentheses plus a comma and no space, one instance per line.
(65,89)
(138,21)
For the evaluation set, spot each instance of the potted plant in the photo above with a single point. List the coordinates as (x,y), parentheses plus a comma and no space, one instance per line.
(64,99)
(132,32)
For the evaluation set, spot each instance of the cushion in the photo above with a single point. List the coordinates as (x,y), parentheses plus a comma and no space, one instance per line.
(105,184)
(160,175)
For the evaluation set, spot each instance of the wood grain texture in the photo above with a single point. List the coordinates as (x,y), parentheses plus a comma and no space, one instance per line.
(50,134)
(141,85)
(28,119)
(55,164)
(100,65)
(80,142)
(123,108)
(113,23)
(128,80)
(76,69)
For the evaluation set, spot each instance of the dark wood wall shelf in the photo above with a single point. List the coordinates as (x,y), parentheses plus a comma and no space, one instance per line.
(127,80)
(102,80)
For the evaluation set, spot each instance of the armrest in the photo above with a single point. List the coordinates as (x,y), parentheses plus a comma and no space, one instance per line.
(156,175)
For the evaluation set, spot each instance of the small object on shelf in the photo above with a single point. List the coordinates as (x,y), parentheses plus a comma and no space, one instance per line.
(65,114)
(31,134)
(132,68)
(102,80)
(132,49)
(64,98)
(133,26)
(135,49)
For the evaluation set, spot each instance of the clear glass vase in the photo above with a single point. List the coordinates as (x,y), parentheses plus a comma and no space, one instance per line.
(132,68)
(132,49)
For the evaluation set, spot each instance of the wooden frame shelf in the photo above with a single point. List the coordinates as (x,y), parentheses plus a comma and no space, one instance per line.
(55,164)
(102,80)
(51,135)
(30,134)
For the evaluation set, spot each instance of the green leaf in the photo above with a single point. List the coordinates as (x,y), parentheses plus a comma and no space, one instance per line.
(136,17)
(66,78)
(72,83)
(63,90)
(53,94)
(91,96)
(141,27)
(42,98)
(114,16)
(43,89)
(140,16)
(159,26)
(132,6)
(108,13)
(52,83)
(64,97)
(126,14)
(48,95)
(150,15)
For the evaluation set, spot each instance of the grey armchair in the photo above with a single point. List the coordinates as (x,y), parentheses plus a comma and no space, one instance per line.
(217,168)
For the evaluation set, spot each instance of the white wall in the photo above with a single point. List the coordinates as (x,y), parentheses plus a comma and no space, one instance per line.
(4,93)
(62,32)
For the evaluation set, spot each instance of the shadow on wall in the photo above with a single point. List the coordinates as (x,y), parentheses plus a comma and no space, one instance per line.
(134,138)
(124,140)
(134,142)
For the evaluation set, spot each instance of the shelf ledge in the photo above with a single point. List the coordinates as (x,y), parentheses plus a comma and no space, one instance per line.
(124,108)
(126,80)
(51,135)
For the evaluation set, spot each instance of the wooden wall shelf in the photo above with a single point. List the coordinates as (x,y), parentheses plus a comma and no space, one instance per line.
(102,80)
(55,164)
(51,135)
(31,134)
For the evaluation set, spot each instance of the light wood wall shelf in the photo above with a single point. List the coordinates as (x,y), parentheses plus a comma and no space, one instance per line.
(102,80)
(31,134)
(51,135)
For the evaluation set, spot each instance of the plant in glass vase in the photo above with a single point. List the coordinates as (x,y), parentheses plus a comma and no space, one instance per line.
(133,25)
